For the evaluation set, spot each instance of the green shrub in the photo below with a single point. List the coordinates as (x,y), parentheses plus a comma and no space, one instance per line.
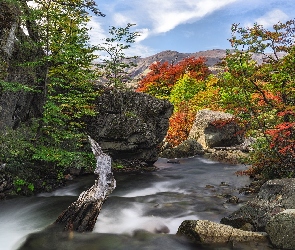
(185,89)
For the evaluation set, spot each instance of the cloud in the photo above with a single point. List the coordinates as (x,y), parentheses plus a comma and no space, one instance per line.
(271,18)
(138,49)
(161,16)
(144,33)
(121,20)
(98,35)
(188,34)
(97,32)
(165,15)
(154,17)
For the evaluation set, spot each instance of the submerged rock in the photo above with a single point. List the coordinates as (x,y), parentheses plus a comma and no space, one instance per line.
(207,232)
(226,155)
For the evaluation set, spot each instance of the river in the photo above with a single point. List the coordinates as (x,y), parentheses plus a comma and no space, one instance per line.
(141,206)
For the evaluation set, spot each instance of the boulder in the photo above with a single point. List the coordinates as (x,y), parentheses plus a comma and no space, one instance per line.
(281,229)
(187,148)
(216,129)
(274,197)
(207,232)
(18,48)
(129,125)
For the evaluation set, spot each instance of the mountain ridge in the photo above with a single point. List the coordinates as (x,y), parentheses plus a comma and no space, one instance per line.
(212,58)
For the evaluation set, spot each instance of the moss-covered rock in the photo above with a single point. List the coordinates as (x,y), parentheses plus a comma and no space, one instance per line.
(208,232)
(281,228)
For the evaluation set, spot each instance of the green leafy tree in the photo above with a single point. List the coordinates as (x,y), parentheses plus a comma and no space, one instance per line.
(58,29)
(62,32)
(262,95)
(184,90)
(115,64)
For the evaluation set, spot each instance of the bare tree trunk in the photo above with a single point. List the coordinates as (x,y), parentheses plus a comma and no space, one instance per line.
(82,214)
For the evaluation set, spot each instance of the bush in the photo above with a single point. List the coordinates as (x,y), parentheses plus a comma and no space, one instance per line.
(185,89)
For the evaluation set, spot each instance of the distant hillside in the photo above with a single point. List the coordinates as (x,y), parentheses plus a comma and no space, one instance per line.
(212,57)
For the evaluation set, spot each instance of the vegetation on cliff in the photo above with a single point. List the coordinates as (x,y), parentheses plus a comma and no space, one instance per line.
(261,96)
(56,141)
(178,83)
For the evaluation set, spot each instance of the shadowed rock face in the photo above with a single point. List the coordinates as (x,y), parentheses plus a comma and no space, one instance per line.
(17,48)
(274,197)
(130,125)
(225,133)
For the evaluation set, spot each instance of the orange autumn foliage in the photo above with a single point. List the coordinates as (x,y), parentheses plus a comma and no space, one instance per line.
(162,76)
(180,124)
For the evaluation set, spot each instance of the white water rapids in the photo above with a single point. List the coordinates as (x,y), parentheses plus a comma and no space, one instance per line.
(155,202)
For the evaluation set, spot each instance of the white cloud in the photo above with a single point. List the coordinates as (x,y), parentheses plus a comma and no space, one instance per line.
(165,15)
(121,20)
(162,16)
(144,33)
(138,49)
(97,33)
(188,34)
(272,17)
(153,17)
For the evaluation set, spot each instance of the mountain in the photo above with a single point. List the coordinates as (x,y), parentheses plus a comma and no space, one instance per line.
(212,56)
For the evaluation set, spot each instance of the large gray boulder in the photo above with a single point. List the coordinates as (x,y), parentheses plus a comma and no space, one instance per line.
(281,229)
(274,197)
(208,232)
(215,129)
(130,125)
(18,48)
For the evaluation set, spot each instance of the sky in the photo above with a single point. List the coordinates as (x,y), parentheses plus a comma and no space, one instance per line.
(185,26)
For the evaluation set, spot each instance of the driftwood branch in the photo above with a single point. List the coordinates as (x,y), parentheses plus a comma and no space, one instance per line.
(82,214)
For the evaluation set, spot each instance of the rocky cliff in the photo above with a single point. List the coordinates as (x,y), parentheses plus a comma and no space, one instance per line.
(129,125)
(16,50)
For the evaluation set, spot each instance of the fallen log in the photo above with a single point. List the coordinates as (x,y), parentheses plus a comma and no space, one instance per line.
(82,214)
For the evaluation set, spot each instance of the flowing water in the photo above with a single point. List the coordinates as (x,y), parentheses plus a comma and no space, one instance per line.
(139,209)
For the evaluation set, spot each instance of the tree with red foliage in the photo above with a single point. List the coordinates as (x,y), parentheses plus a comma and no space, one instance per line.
(263,95)
(162,76)
(180,124)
